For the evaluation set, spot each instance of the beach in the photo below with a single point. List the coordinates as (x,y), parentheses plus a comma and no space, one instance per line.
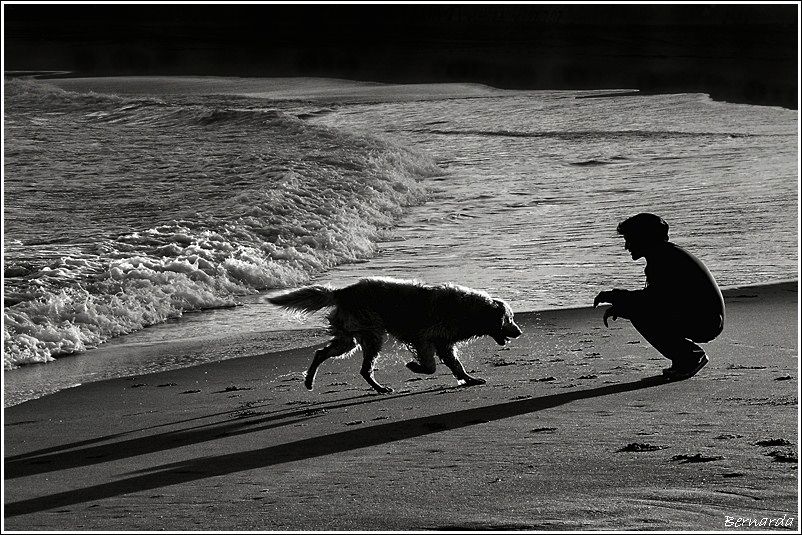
(168,172)
(574,430)
(149,385)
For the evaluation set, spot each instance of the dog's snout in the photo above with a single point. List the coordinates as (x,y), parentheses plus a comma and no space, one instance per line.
(512,330)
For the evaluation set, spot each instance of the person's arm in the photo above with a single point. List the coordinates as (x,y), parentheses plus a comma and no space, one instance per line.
(623,301)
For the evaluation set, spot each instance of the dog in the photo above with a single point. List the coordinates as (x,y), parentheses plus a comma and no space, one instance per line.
(428,319)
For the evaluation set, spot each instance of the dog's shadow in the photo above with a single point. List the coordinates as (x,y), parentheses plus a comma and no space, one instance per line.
(364,437)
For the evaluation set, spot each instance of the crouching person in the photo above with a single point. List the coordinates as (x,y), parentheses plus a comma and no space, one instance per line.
(681,305)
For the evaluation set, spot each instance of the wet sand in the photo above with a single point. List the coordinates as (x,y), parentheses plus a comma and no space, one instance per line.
(573,430)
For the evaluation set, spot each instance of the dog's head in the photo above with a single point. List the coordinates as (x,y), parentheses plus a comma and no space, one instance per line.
(504,325)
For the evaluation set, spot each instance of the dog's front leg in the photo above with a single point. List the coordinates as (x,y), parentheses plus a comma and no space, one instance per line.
(367,373)
(449,358)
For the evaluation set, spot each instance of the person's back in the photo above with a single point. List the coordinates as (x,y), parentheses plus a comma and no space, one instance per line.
(680,280)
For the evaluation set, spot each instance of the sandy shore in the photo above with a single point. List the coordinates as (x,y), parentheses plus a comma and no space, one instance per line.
(572,431)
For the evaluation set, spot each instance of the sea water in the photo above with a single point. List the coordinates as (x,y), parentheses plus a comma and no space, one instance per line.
(180,211)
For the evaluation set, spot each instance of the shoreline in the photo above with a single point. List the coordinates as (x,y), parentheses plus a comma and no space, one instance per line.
(74,370)
(474,89)
(572,431)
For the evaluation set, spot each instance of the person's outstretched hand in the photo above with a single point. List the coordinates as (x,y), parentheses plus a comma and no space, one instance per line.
(607,297)
(610,313)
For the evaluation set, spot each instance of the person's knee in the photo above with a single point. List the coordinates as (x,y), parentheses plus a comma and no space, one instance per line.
(705,329)
(709,331)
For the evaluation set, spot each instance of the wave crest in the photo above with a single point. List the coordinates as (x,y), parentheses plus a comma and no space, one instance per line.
(306,199)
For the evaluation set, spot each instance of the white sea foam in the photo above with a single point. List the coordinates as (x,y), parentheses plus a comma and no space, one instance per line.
(272,202)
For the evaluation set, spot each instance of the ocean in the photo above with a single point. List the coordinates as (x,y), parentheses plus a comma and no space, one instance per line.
(140,219)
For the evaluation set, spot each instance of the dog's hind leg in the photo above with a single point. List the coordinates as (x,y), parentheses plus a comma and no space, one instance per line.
(425,363)
(371,345)
(449,358)
(338,346)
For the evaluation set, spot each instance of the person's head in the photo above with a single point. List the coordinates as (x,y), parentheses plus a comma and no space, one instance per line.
(642,232)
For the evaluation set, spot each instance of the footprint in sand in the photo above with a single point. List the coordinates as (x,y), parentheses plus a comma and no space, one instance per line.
(138,385)
(640,447)
(166,384)
(696,458)
(784,378)
(190,392)
(773,442)
(780,456)
(548,430)
(501,362)
(783,456)
(232,389)
(543,379)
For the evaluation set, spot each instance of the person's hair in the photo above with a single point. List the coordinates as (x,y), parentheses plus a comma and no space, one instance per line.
(644,228)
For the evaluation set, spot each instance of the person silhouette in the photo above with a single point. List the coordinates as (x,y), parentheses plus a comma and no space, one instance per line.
(681,305)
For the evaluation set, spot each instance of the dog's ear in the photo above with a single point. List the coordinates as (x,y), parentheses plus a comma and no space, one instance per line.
(499,309)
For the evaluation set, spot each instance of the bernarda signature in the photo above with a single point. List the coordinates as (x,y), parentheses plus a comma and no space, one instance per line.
(784,521)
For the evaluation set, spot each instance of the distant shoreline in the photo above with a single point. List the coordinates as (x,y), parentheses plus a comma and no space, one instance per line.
(716,94)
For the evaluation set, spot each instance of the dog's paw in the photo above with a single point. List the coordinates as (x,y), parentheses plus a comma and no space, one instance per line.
(473,381)
(384,389)
(309,380)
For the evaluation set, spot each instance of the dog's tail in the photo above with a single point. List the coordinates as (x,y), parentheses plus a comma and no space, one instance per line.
(307,300)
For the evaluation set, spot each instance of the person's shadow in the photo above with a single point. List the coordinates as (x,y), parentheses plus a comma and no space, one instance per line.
(211,466)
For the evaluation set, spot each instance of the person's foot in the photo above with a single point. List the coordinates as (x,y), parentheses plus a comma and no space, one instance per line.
(678,374)
(670,370)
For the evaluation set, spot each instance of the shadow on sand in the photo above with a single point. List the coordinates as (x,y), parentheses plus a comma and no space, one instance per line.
(211,466)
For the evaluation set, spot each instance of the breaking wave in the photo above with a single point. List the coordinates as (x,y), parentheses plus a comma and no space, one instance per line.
(192,204)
